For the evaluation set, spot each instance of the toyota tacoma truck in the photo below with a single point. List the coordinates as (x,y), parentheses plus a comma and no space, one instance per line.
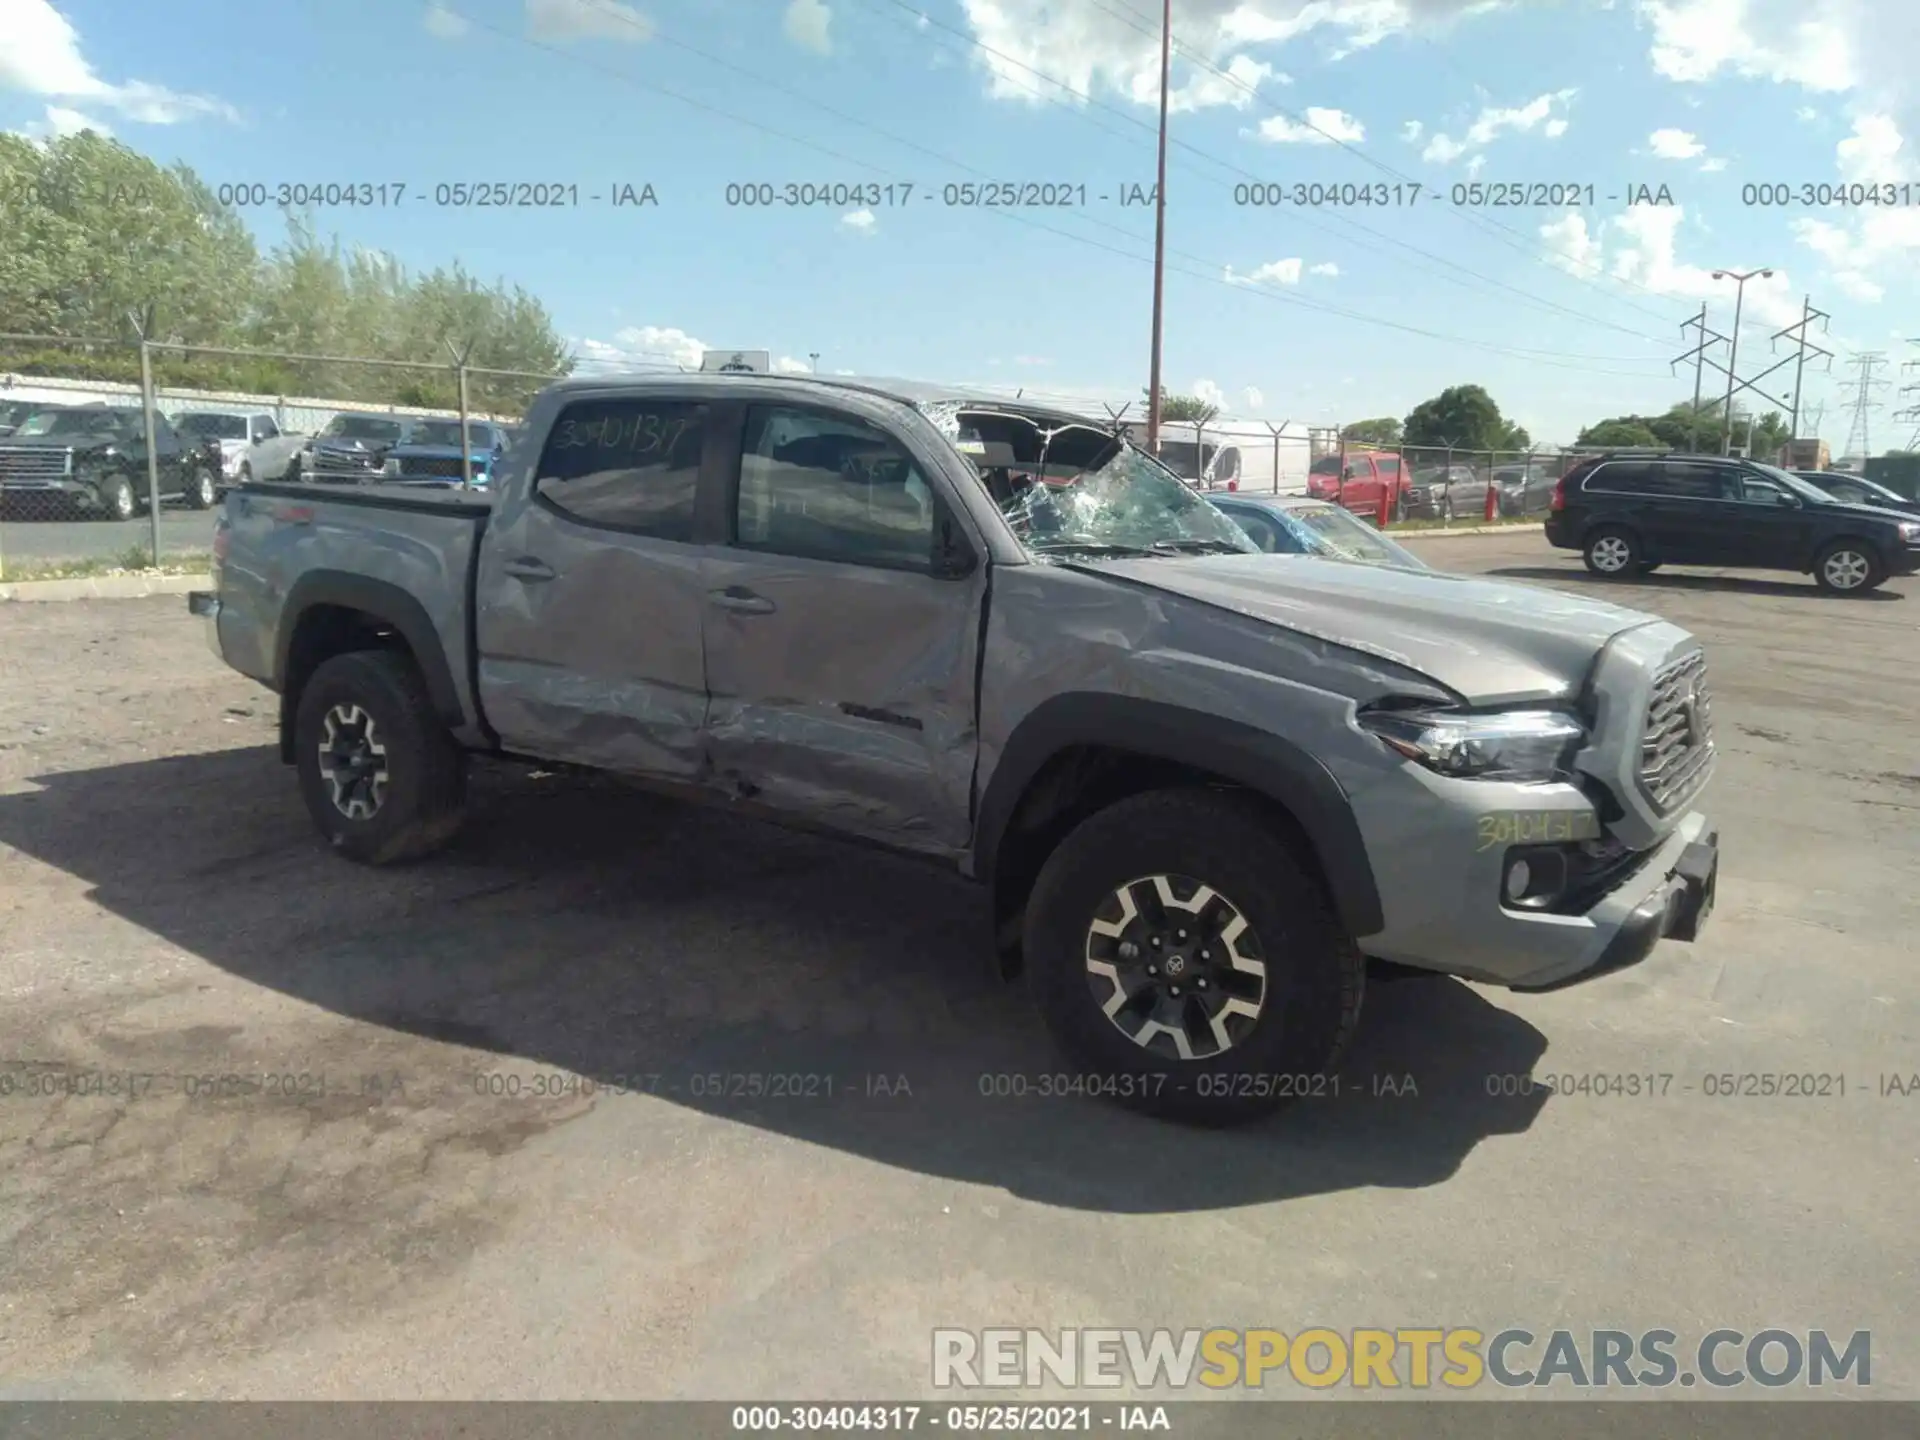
(1200,785)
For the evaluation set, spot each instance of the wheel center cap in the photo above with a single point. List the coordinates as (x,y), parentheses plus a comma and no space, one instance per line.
(1176,964)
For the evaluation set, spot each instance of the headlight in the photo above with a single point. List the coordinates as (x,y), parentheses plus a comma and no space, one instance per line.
(1513,745)
(1910,532)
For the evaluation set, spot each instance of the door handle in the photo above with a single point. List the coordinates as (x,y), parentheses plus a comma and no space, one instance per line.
(529,569)
(742,601)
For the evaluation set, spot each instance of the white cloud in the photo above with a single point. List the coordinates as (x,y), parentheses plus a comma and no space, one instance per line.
(859,220)
(1779,40)
(1807,113)
(1675,144)
(1318,125)
(1640,246)
(1253,397)
(1031,360)
(646,345)
(1411,131)
(1476,164)
(1495,121)
(41,55)
(1326,267)
(1713,165)
(1088,47)
(59,122)
(1570,245)
(1209,393)
(562,20)
(788,365)
(1874,153)
(443,22)
(1278,272)
(806,23)
(1235,85)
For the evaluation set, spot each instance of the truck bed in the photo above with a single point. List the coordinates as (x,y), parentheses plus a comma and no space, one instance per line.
(281,545)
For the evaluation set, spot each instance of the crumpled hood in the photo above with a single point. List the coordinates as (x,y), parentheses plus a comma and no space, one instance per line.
(1490,641)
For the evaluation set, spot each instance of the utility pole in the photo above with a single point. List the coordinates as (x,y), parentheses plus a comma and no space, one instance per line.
(1699,356)
(1733,360)
(1798,334)
(1911,412)
(1159,233)
(1863,401)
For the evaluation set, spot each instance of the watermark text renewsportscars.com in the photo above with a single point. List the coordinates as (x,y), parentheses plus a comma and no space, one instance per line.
(1410,1358)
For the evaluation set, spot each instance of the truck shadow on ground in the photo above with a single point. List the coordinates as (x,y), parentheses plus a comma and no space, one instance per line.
(1678,580)
(813,990)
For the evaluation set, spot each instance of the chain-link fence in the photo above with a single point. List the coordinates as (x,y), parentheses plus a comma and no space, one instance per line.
(113,452)
(1425,484)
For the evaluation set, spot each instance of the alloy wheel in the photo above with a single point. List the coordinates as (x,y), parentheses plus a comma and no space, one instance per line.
(1846,569)
(353,762)
(1176,967)
(1611,554)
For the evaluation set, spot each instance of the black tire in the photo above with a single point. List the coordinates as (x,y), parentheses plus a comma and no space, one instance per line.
(1611,552)
(1849,567)
(202,489)
(117,499)
(420,801)
(1307,1003)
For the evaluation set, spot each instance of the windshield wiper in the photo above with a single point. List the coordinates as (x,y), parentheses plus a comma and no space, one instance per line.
(1196,547)
(1091,547)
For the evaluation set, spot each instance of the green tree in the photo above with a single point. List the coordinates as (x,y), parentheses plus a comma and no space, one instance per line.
(1183,409)
(93,230)
(1383,432)
(1622,432)
(1461,417)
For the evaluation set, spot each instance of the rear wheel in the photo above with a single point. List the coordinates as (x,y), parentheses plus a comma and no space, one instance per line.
(1188,963)
(382,778)
(1848,567)
(1611,551)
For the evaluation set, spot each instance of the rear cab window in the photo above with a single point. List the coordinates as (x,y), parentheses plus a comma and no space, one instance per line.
(625,463)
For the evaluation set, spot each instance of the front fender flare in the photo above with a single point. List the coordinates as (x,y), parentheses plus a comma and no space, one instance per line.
(1259,760)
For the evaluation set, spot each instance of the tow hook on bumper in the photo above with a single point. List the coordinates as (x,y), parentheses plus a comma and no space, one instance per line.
(1678,910)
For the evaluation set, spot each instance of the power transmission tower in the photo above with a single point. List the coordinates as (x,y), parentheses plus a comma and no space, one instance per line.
(1798,334)
(1698,355)
(1734,383)
(1863,402)
(1911,412)
(1814,414)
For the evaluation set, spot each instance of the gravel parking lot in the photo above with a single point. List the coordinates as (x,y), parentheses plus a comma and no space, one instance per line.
(411,1196)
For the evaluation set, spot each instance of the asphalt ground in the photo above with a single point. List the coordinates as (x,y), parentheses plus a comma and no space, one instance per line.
(407,1192)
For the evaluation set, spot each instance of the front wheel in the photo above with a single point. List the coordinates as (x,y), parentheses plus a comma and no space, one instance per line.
(117,500)
(1611,552)
(1848,567)
(382,778)
(1188,963)
(201,490)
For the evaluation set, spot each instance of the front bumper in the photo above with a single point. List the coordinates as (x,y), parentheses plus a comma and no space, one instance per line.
(1470,931)
(1904,562)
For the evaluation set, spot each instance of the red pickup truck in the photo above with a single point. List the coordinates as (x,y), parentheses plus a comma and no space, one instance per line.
(1369,473)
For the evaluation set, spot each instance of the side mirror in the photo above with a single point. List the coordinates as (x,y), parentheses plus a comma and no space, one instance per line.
(1792,502)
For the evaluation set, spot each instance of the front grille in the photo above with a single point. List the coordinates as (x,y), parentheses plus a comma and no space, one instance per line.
(354,461)
(1676,747)
(439,469)
(35,466)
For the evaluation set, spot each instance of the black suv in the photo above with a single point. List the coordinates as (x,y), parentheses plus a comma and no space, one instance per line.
(1628,514)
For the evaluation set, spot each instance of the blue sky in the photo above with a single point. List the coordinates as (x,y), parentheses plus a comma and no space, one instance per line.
(1320,314)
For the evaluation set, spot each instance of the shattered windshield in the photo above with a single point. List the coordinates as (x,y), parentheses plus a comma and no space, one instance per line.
(1071,490)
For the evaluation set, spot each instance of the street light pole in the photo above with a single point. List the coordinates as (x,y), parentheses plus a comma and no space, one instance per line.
(1159,233)
(814,356)
(1733,358)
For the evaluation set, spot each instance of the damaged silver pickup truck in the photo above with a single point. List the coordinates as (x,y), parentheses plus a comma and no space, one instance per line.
(1200,784)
